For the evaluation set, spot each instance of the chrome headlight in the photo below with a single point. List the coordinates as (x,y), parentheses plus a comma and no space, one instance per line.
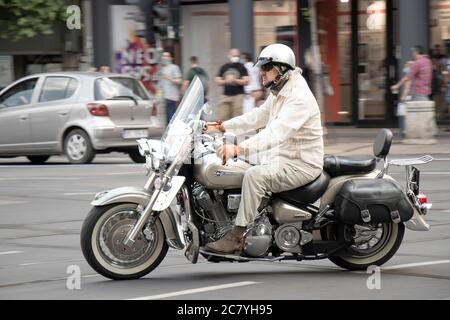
(143,147)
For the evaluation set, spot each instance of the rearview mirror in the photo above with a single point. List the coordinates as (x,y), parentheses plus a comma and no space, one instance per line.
(207,109)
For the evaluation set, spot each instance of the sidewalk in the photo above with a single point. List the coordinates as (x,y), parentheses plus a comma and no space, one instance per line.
(358,141)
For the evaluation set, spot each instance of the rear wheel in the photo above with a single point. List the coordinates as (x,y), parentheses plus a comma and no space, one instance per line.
(38,159)
(374,244)
(102,237)
(78,147)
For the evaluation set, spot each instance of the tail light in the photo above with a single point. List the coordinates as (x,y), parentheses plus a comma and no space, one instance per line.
(422,198)
(98,109)
(423,204)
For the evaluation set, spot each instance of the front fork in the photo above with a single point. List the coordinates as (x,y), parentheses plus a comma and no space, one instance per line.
(147,215)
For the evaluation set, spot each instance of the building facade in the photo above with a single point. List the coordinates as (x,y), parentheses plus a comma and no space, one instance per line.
(364,45)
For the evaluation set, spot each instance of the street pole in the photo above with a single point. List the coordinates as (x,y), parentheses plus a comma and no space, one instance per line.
(317,62)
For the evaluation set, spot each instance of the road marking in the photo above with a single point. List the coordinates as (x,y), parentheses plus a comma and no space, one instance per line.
(9,252)
(411,265)
(79,193)
(124,173)
(434,173)
(47,262)
(8,202)
(39,178)
(198,290)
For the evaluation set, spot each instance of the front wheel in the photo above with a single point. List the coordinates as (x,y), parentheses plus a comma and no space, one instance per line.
(374,244)
(102,237)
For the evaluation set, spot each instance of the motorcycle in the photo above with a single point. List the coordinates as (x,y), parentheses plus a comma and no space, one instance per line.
(353,214)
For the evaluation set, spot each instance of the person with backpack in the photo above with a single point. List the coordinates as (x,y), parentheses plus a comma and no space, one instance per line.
(195,70)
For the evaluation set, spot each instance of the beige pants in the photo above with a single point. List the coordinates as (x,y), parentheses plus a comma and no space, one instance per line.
(230,107)
(262,180)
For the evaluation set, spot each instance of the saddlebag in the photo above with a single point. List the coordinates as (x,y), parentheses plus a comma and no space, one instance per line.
(372,201)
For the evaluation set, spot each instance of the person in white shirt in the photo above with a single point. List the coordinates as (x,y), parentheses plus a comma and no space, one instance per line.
(254,92)
(171,81)
(290,145)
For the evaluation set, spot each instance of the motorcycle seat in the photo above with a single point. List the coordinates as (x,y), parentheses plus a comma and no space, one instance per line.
(306,194)
(341,166)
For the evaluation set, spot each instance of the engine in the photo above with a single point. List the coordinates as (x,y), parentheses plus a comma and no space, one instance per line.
(217,219)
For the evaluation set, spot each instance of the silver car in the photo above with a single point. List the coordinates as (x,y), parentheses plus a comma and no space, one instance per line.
(77,114)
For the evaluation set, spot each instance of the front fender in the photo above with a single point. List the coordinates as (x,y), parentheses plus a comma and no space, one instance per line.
(141,197)
(123,194)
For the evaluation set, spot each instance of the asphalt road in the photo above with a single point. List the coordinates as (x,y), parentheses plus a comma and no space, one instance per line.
(42,209)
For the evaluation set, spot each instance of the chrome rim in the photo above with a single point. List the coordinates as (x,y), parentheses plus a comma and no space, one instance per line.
(112,234)
(370,239)
(76,147)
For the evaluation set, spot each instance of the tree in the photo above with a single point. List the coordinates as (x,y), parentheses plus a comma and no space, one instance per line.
(20,19)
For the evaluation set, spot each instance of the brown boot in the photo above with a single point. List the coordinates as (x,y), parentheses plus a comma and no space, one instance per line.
(232,242)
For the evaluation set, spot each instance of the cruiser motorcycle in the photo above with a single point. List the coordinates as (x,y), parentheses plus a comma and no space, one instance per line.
(353,214)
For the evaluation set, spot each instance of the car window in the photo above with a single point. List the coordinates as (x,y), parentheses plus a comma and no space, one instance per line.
(20,94)
(57,88)
(107,88)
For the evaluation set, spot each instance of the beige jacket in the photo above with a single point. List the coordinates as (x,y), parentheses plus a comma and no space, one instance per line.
(292,127)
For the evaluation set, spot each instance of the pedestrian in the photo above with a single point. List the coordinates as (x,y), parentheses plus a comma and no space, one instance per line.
(446,74)
(171,81)
(195,70)
(405,86)
(420,76)
(105,69)
(254,92)
(290,140)
(233,77)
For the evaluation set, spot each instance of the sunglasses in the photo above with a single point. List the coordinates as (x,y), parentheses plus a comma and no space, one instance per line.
(267,67)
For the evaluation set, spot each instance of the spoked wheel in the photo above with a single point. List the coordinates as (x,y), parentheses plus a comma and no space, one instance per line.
(374,244)
(102,238)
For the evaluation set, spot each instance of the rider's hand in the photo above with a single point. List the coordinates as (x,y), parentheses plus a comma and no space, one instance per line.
(215,127)
(227,151)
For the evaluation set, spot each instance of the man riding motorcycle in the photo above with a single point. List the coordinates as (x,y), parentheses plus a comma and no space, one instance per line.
(290,145)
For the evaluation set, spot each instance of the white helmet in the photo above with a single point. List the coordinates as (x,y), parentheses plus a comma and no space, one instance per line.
(277,53)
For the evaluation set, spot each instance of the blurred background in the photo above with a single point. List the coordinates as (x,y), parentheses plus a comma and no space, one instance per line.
(363,43)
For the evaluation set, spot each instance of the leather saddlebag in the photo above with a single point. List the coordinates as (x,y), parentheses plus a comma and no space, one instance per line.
(372,201)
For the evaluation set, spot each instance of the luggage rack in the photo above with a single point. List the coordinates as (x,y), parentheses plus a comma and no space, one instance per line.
(412,161)
(412,173)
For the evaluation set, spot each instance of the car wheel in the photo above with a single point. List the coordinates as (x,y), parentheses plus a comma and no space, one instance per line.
(38,159)
(78,147)
(136,156)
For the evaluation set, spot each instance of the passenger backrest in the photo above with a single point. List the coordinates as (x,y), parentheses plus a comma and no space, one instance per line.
(382,143)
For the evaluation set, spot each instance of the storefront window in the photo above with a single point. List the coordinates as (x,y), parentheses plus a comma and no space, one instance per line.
(372,60)
(275,21)
(440,52)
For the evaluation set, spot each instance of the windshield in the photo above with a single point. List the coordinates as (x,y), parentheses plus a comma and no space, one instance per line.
(184,125)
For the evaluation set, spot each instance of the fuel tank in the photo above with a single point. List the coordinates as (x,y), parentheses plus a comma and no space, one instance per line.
(213,175)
